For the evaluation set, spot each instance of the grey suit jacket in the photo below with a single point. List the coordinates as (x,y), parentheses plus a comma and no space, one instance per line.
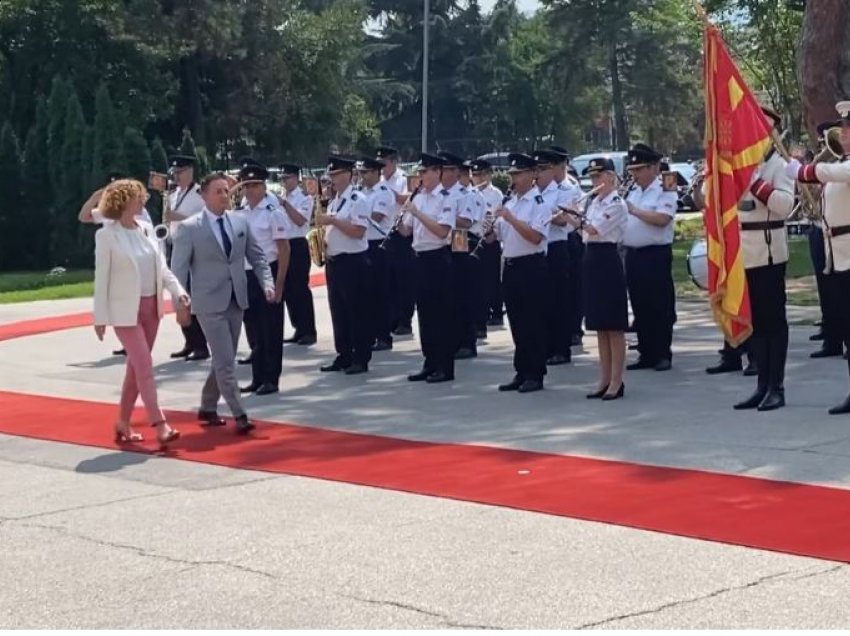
(214,277)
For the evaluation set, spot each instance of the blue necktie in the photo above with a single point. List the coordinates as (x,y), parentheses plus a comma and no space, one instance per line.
(225,240)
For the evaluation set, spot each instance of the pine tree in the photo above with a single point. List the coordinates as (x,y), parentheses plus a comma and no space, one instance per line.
(137,153)
(37,192)
(159,163)
(57,108)
(64,225)
(87,160)
(108,150)
(12,244)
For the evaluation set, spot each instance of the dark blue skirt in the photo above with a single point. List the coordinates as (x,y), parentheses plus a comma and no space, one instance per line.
(604,288)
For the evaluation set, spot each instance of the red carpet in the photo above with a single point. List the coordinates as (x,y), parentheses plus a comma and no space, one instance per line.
(72,321)
(772,515)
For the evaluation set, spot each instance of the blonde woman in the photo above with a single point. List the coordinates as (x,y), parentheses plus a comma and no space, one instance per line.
(130,273)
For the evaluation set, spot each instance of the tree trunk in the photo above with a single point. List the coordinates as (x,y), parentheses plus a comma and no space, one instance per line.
(824,60)
(621,133)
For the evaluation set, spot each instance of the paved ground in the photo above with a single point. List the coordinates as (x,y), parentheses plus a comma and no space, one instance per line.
(96,538)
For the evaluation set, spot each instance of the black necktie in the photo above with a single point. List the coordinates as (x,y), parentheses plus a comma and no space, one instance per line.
(225,240)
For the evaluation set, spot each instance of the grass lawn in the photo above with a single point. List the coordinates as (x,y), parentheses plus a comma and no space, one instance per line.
(21,287)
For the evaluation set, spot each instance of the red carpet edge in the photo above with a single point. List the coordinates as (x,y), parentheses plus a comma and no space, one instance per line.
(780,516)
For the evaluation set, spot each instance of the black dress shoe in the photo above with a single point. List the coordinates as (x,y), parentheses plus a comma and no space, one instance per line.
(336,365)
(382,345)
(827,353)
(419,377)
(844,407)
(558,358)
(403,330)
(356,369)
(513,385)
(197,355)
(119,352)
(663,365)
(465,353)
(267,389)
(244,425)
(774,399)
(753,401)
(530,386)
(246,360)
(182,353)
(438,376)
(292,339)
(615,396)
(597,394)
(251,388)
(496,322)
(751,370)
(306,341)
(640,364)
(816,336)
(725,366)
(210,418)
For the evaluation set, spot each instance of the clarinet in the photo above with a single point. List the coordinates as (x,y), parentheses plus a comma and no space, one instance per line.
(489,216)
(394,229)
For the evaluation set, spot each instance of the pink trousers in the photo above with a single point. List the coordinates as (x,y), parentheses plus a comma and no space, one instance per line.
(138,378)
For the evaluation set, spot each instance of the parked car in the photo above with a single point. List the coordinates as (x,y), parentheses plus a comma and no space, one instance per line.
(499,160)
(687,172)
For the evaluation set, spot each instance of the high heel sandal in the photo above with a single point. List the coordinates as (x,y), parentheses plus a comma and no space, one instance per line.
(597,394)
(615,396)
(172,435)
(124,434)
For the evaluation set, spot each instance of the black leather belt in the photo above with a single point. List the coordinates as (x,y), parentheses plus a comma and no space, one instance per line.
(838,230)
(763,225)
(514,260)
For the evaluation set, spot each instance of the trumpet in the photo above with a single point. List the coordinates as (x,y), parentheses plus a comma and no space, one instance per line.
(398,220)
(832,148)
(489,223)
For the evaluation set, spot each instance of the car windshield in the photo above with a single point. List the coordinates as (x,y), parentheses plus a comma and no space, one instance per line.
(580,162)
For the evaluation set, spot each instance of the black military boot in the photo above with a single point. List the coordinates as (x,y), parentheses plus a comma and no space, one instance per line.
(758,347)
(844,407)
(777,352)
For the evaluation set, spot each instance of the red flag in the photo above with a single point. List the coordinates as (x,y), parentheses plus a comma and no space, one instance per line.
(737,136)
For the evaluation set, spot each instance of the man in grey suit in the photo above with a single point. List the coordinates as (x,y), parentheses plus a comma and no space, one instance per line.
(212,247)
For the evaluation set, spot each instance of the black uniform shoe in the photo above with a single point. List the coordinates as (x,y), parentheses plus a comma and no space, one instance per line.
(336,365)
(292,339)
(513,385)
(465,353)
(419,377)
(774,399)
(751,370)
(185,351)
(496,322)
(382,345)
(558,358)
(210,418)
(753,401)
(197,355)
(825,352)
(356,369)
(530,386)
(725,366)
(251,388)
(816,336)
(640,364)
(244,425)
(844,407)
(246,360)
(439,376)
(267,389)
(403,330)
(306,341)
(663,365)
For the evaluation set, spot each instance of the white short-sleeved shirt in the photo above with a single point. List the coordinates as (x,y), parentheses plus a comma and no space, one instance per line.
(654,198)
(439,206)
(473,209)
(302,202)
(492,197)
(609,216)
(381,200)
(353,207)
(185,202)
(560,195)
(531,209)
(267,223)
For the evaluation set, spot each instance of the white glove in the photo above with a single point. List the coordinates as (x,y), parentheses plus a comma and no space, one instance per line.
(792,169)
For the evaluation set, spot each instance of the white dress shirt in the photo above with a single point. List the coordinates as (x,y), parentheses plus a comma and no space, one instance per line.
(492,197)
(609,216)
(653,198)
(267,223)
(438,205)
(531,209)
(380,200)
(302,202)
(473,209)
(186,203)
(351,206)
(212,219)
(144,253)
(560,195)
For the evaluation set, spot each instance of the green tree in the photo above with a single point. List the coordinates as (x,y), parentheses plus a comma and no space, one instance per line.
(73,176)
(12,248)
(57,108)
(108,149)
(137,154)
(38,194)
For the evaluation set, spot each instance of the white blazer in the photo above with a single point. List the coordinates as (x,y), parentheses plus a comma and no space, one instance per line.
(117,287)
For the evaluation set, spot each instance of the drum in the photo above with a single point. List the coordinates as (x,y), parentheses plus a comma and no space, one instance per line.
(698,264)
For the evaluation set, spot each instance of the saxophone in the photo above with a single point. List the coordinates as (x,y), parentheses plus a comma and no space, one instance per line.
(316,235)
